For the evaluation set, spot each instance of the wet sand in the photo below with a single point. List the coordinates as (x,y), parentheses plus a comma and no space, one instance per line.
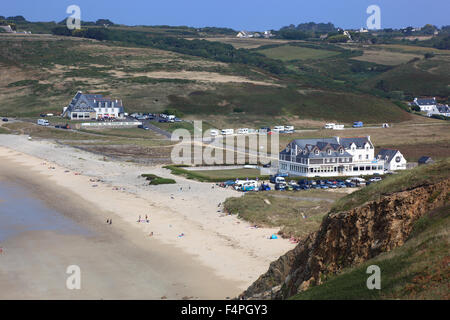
(117,261)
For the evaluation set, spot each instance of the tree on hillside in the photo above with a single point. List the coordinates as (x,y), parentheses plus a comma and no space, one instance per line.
(429,29)
(102,22)
(17,19)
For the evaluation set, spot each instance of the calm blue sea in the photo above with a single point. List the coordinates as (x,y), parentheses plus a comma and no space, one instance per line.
(20,212)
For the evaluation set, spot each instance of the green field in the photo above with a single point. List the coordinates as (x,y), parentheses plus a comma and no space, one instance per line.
(288,53)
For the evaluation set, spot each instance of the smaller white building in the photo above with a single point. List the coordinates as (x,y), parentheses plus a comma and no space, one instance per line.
(440,109)
(393,159)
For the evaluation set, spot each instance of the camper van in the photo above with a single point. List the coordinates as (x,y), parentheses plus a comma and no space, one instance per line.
(288,129)
(246,185)
(43,122)
(278,128)
(227,131)
(242,131)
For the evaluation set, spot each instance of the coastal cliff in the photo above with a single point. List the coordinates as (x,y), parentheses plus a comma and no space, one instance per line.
(348,238)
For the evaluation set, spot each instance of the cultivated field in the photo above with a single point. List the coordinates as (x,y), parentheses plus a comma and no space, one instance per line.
(288,53)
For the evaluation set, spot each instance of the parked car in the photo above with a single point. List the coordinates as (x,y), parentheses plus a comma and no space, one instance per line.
(280,186)
(277,179)
(163,120)
(5,120)
(350,184)
(375,179)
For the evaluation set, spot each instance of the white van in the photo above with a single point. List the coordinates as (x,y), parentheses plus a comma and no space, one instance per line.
(246,185)
(43,122)
(227,131)
(278,128)
(329,125)
(338,127)
(288,129)
(242,131)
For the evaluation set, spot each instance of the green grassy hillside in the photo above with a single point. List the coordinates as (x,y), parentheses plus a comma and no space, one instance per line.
(417,270)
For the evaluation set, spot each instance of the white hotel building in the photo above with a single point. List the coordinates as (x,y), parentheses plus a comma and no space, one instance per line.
(330,157)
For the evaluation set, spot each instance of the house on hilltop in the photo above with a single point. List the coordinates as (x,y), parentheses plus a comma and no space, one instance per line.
(93,106)
(425,104)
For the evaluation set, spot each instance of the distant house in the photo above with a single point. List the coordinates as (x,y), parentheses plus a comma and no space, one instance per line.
(268,34)
(425,104)
(393,159)
(425,160)
(439,109)
(244,34)
(93,106)
(7,29)
(248,34)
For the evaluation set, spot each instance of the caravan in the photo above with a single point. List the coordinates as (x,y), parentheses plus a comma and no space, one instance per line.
(288,129)
(227,131)
(43,122)
(278,129)
(242,131)
(246,185)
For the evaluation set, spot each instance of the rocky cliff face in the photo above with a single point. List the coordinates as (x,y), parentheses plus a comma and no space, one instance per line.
(348,238)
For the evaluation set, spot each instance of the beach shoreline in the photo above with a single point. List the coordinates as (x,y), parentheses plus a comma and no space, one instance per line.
(185,221)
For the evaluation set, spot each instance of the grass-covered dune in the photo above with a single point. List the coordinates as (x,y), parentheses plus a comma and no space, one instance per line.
(406,180)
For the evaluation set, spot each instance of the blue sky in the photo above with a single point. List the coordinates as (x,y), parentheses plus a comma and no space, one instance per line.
(237,14)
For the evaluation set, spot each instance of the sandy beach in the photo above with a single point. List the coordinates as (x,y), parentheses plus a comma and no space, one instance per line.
(218,256)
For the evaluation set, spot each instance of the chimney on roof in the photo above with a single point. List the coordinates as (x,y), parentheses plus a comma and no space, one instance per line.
(338,141)
(368,138)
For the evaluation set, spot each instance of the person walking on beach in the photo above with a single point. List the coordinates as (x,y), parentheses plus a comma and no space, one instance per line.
(110,221)
(139,219)
(107,221)
(146,218)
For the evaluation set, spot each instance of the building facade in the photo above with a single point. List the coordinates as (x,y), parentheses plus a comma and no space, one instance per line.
(393,159)
(93,106)
(330,157)
(425,104)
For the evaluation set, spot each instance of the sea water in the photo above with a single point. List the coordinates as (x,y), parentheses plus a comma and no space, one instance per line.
(21,212)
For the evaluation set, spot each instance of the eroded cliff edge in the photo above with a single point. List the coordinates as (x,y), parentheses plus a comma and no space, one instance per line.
(348,238)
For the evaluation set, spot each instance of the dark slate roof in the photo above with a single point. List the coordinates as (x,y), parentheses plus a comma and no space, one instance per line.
(323,145)
(389,153)
(425,159)
(425,101)
(443,109)
(91,101)
(358,141)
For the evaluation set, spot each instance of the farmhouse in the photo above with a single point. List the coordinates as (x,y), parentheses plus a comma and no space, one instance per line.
(425,104)
(93,106)
(330,157)
(393,159)
(439,109)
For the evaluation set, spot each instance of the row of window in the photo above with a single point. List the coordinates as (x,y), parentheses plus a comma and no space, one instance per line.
(302,169)
(367,168)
